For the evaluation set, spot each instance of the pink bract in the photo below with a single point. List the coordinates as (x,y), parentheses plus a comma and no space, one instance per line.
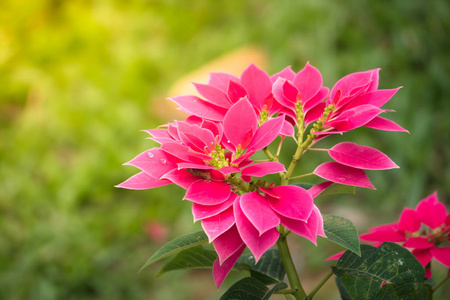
(425,243)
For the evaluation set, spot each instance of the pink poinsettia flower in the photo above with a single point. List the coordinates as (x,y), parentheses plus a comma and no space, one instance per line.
(356,101)
(422,229)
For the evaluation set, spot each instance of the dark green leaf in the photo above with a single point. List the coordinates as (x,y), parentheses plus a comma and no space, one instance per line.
(179,244)
(392,264)
(191,258)
(247,288)
(342,290)
(304,185)
(337,188)
(280,286)
(269,269)
(342,232)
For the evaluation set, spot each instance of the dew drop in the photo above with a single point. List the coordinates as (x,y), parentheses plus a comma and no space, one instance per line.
(162,160)
(229,141)
(151,155)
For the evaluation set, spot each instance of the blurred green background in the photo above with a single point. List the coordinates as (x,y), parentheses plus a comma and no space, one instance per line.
(79,79)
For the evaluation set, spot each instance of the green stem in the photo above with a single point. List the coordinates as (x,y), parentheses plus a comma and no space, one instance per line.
(441,283)
(301,176)
(288,263)
(319,286)
(298,153)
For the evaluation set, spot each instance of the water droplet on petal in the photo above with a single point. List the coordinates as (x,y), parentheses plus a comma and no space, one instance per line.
(162,160)
(151,155)
(228,141)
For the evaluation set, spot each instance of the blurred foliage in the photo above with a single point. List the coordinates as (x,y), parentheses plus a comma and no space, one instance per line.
(79,79)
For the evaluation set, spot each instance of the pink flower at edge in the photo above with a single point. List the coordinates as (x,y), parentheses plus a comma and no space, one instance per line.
(422,229)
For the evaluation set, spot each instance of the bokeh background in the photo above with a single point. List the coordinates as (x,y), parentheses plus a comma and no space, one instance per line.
(80,79)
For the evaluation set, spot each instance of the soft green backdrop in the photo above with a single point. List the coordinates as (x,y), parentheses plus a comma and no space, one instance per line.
(79,79)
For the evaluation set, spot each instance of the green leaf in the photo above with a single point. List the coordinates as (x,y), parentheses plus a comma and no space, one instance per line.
(269,269)
(305,185)
(280,286)
(191,258)
(247,288)
(342,290)
(390,263)
(179,244)
(337,188)
(342,232)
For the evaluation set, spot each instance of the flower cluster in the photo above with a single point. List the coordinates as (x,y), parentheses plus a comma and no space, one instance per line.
(423,229)
(209,154)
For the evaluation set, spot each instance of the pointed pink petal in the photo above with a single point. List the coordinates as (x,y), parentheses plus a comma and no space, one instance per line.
(154,162)
(409,220)
(256,242)
(418,243)
(208,192)
(278,91)
(383,236)
(200,212)
(423,256)
(221,80)
(377,98)
(220,271)
(308,82)
(180,151)
(204,135)
(236,91)
(339,173)
(229,170)
(228,243)
(317,189)
(308,230)
(258,85)
(442,255)
(320,228)
(181,178)
(432,212)
(215,128)
(263,168)
(286,73)
(294,202)
(348,84)
(213,95)
(384,124)
(335,256)
(239,121)
(266,133)
(195,106)
(314,101)
(355,117)
(270,192)
(314,113)
(287,129)
(360,157)
(258,212)
(142,181)
(218,224)
(159,133)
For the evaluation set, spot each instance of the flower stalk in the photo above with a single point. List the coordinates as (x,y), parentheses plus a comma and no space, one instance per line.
(285,254)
